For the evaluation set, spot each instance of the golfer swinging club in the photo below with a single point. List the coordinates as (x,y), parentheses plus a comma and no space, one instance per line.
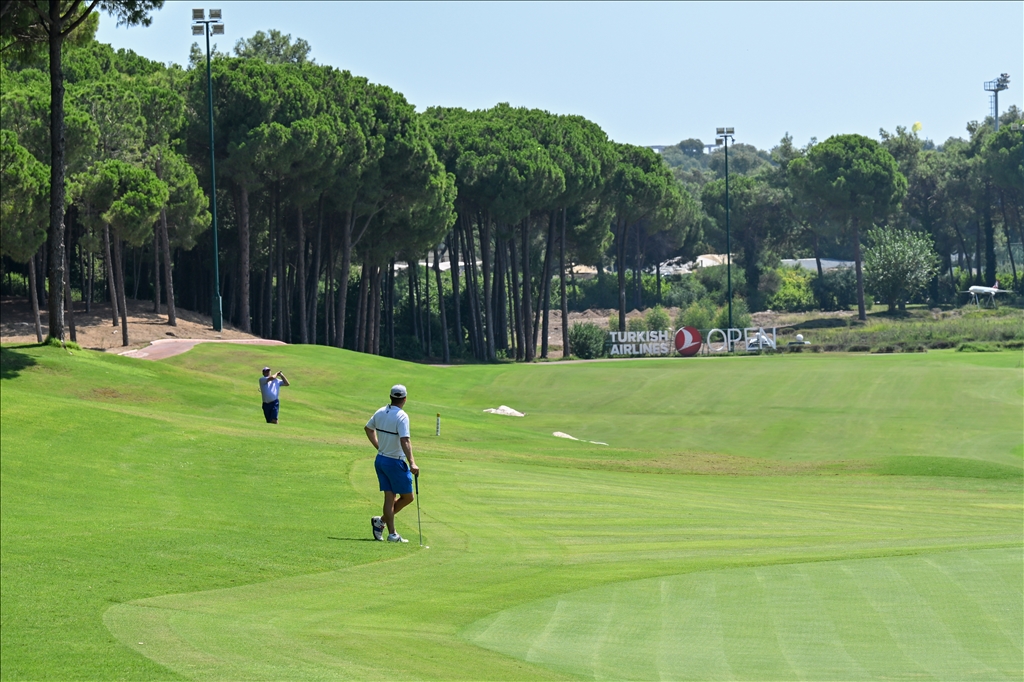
(388,431)
(270,387)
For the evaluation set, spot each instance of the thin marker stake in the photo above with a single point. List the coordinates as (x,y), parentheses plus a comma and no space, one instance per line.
(438,431)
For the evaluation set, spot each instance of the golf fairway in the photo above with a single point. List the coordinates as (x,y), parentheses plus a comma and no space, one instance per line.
(795,517)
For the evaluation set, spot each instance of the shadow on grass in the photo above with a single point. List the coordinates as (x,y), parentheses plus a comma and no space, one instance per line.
(352,539)
(12,362)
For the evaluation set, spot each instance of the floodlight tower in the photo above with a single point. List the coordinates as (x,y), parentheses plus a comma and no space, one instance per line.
(203,26)
(995,87)
(723,137)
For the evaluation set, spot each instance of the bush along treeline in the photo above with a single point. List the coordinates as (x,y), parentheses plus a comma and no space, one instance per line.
(346,218)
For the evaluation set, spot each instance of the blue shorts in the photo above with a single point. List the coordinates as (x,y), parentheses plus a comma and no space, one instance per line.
(394,475)
(270,410)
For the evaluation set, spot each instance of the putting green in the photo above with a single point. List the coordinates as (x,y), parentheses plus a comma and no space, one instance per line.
(155,528)
(940,616)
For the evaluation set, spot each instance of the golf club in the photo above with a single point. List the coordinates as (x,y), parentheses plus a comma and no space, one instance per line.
(418,523)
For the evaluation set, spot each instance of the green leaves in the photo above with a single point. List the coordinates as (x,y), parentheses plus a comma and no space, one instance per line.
(126,197)
(24,190)
(852,176)
(898,264)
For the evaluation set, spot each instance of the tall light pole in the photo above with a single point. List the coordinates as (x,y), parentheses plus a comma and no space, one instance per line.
(995,87)
(724,135)
(203,26)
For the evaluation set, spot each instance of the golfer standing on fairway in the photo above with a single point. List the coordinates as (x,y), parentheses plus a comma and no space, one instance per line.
(270,387)
(388,431)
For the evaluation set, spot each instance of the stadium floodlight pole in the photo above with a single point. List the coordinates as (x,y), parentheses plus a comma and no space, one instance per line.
(724,135)
(995,87)
(203,26)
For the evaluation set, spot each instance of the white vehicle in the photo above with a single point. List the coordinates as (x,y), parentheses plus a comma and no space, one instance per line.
(991,292)
(760,341)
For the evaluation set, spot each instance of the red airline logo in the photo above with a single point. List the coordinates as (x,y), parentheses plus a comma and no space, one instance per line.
(688,341)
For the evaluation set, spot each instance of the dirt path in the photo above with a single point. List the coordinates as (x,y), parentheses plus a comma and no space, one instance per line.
(95,330)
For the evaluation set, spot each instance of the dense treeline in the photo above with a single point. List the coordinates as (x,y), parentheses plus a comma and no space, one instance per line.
(347,218)
(965,197)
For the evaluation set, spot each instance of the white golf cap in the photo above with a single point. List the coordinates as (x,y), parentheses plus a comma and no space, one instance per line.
(266,369)
(398,391)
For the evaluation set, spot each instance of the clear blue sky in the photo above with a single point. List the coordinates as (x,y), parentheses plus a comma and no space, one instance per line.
(655,73)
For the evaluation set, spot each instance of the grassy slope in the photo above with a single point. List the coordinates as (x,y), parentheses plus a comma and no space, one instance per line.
(124,480)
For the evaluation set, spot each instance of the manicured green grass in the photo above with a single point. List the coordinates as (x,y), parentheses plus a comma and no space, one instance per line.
(787,517)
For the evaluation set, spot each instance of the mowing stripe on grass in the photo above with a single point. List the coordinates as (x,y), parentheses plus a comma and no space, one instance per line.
(887,618)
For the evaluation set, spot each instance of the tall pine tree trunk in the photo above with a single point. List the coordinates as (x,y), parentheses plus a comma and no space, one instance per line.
(1009,239)
(156,269)
(34,297)
(83,269)
(861,310)
(414,316)
(529,349)
(445,353)
(92,280)
(473,313)
(301,281)
(517,299)
(485,254)
(544,300)
(500,293)
(244,265)
(279,229)
(111,286)
(361,306)
(977,246)
(119,284)
(329,292)
(426,307)
(165,244)
(342,288)
(990,242)
(314,292)
(453,261)
(391,307)
(69,301)
(620,270)
(561,286)
(289,302)
(57,169)
(375,309)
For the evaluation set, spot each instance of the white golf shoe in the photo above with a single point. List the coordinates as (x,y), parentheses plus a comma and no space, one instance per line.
(395,537)
(377,526)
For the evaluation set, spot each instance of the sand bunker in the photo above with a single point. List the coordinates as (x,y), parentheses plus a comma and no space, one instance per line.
(559,434)
(505,410)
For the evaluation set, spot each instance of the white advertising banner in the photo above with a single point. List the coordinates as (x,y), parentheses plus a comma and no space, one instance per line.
(688,341)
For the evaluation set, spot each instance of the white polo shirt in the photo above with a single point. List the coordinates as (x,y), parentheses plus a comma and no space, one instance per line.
(270,387)
(391,424)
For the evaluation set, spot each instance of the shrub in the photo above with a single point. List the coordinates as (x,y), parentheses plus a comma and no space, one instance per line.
(636,324)
(586,340)
(684,292)
(898,264)
(657,319)
(699,314)
(715,280)
(794,293)
(836,289)
(978,348)
(740,315)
